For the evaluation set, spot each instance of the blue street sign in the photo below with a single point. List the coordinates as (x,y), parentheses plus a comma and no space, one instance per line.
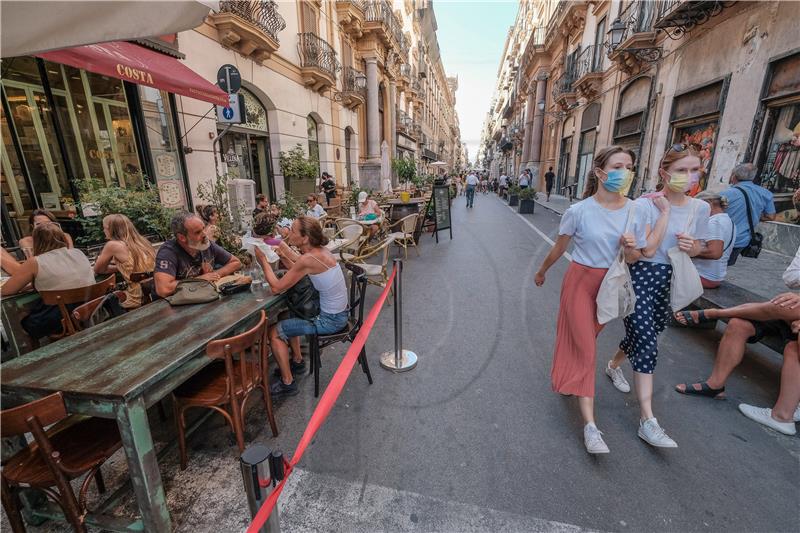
(227,112)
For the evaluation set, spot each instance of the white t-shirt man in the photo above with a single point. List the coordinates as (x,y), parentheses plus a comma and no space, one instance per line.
(523,179)
(503,181)
(472,180)
(596,231)
(316,211)
(720,228)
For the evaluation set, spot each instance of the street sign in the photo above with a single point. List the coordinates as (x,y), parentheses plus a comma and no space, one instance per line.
(229,79)
(437,212)
(233,112)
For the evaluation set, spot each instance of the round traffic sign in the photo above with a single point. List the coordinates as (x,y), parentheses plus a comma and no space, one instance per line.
(227,112)
(229,72)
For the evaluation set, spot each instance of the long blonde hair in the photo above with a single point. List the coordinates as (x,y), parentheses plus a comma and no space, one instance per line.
(120,228)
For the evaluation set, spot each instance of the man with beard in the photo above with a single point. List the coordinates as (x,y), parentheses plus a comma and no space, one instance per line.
(190,255)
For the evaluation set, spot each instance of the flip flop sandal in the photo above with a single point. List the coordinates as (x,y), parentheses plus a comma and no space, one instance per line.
(690,321)
(705,390)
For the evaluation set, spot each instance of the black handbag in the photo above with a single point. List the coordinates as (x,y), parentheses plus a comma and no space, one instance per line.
(756,239)
(303,299)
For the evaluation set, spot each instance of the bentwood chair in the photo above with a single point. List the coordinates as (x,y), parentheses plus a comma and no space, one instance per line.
(344,222)
(316,343)
(377,274)
(82,314)
(65,299)
(354,239)
(404,234)
(71,447)
(239,369)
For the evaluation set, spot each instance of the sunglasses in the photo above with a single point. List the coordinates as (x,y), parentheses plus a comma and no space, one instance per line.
(680,147)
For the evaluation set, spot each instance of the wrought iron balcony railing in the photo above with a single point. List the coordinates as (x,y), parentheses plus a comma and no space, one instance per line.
(562,85)
(405,71)
(537,39)
(354,81)
(588,61)
(315,52)
(381,11)
(262,13)
(638,17)
(676,17)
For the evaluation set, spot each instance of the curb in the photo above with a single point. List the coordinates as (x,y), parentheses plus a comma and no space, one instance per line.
(550,208)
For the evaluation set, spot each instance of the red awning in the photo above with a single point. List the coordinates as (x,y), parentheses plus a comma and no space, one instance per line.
(136,64)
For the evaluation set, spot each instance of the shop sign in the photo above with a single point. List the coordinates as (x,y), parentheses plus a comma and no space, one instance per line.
(166,166)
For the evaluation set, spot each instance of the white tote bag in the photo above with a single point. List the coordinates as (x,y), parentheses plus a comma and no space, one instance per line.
(685,286)
(616,298)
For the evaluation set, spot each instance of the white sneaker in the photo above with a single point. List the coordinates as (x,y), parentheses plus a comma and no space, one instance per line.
(651,433)
(617,378)
(796,416)
(592,438)
(763,415)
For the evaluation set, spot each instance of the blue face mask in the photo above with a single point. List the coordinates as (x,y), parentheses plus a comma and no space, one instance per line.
(619,180)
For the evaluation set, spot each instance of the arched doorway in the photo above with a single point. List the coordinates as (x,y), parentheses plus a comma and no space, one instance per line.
(246,147)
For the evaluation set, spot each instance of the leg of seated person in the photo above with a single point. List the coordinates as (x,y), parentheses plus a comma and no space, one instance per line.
(730,351)
(297,354)
(789,395)
(762,311)
(280,350)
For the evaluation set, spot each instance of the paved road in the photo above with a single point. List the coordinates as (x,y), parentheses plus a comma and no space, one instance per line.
(474,440)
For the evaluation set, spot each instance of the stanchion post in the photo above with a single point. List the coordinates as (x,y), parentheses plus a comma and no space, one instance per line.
(399,360)
(262,470)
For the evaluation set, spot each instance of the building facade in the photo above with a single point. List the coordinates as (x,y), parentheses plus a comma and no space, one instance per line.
(646,75)
(354,83)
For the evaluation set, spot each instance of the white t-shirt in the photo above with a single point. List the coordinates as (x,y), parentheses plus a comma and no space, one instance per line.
(720,228)
(792,275)
(503,181)
(596,231)
(523,180)
(678,217)
(316,211)
(472,179)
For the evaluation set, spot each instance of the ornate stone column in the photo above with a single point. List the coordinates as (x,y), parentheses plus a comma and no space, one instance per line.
(537,126)
(373,115)
(530,106)
(392,138)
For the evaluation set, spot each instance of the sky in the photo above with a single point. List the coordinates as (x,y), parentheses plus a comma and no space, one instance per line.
(471,37)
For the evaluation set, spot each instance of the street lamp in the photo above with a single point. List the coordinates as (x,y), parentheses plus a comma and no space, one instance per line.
(615,35)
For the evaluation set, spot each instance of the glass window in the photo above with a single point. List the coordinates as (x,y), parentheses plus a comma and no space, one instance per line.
(313,141)
(255,114)
(15,192)
(781,172)
(164,146)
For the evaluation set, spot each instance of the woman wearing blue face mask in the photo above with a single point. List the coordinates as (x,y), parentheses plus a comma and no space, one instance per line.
(597,227)
(674,219)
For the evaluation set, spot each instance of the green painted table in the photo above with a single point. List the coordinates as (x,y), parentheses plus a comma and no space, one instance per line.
(121,367)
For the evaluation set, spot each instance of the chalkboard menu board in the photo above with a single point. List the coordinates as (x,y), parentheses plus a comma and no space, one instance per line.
(441,210)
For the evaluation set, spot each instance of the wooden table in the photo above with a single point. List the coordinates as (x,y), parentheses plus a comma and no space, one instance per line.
(14,307)
(120,368)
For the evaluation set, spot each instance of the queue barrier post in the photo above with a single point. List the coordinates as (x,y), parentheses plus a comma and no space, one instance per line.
(262,470)
(399,360)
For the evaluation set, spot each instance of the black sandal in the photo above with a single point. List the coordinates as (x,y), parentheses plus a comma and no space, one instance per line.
(690,321)
(705,390)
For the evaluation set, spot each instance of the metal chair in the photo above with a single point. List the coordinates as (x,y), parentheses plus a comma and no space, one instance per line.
(80,295)
(405,237)
(71,447)
(316,343)
(239,368)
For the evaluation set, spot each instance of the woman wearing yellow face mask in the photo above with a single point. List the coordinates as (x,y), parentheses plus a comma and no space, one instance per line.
(675,219)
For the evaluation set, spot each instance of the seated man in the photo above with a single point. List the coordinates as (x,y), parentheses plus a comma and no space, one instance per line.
(190,255)
(313,209)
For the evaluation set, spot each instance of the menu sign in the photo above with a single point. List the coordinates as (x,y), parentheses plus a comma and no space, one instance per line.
(441,210)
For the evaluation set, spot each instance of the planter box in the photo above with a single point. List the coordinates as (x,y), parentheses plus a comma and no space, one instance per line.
(526,207)
(513,199)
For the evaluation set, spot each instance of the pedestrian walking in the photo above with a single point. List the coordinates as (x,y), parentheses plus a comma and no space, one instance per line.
(597,225)
(472,183)
(503,181)
(459,186)
(524,179)
(674,220)
(748,204)
(328,187)
(549,177)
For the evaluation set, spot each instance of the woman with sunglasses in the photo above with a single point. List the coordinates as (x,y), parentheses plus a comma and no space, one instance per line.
(598,226)
(674,219)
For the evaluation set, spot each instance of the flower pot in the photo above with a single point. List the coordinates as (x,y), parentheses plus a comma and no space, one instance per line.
(513,199)
(526,207)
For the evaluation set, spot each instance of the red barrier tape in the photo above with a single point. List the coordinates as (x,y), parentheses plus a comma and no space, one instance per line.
(325,404)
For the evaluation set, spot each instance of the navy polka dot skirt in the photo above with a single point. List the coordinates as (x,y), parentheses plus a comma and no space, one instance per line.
(649,318)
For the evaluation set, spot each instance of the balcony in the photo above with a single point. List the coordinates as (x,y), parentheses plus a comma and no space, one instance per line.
(351,16)
(639,33)
(250,28)
(676,17)
(568,18)
(354,88)
(405,124)
(563,92)
(318,62)
(380,20)
(589,72)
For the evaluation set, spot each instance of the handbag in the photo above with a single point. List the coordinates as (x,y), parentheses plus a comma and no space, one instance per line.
(193,291)
(685,286)
(753,248)
(616,297)
(302,298)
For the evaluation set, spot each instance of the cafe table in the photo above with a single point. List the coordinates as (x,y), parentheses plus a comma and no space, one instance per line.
(123,366)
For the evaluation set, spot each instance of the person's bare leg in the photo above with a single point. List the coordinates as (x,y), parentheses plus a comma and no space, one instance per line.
(761,311)
(297,353)
(280,350)
(644,393)
(789,395)
(617,359)
(586,404)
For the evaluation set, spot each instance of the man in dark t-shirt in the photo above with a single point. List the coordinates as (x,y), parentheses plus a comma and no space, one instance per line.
(190,255)
(329,187)
(549,177)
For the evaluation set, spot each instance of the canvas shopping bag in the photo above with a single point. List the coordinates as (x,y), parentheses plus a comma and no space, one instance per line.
(616,298)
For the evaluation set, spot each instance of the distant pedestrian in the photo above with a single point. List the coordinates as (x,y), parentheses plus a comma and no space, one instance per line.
(597,226)
(742,191)
(524,179)
(675,220)
(459,186)
(503,181)
(328,187)
(472,183)
(712,261)
(549,177)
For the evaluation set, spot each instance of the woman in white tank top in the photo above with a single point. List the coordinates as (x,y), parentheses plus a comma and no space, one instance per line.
(316,262)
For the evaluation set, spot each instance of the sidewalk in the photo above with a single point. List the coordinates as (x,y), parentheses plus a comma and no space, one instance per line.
(762,276)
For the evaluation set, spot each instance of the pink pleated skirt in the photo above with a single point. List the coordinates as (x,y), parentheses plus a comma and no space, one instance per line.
(576,336)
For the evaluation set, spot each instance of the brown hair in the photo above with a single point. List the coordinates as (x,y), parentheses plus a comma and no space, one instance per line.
(672,155)
(206,212)
(309,227)
(600,160)
(48,237)
(41,213)
(120,228)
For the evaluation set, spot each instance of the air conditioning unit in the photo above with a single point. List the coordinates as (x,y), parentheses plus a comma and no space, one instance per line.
(242,200)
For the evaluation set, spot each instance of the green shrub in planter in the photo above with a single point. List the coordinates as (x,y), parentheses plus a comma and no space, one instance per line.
(526,200)
(513,195)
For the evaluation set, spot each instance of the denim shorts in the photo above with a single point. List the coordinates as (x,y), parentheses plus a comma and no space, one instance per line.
(324,324)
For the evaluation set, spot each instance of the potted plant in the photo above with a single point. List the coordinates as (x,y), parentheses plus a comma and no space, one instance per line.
(299,172)
(526,200)
(513,195)
(405,169)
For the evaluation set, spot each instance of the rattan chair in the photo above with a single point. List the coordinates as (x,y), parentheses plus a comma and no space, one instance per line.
(405,236)
(377,274)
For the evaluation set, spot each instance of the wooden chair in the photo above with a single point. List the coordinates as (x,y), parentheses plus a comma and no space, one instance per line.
(358,290)
(239,368)
(75,296)
(405,236)
(71,447)
(146,281)
(376,273)
(82,313)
